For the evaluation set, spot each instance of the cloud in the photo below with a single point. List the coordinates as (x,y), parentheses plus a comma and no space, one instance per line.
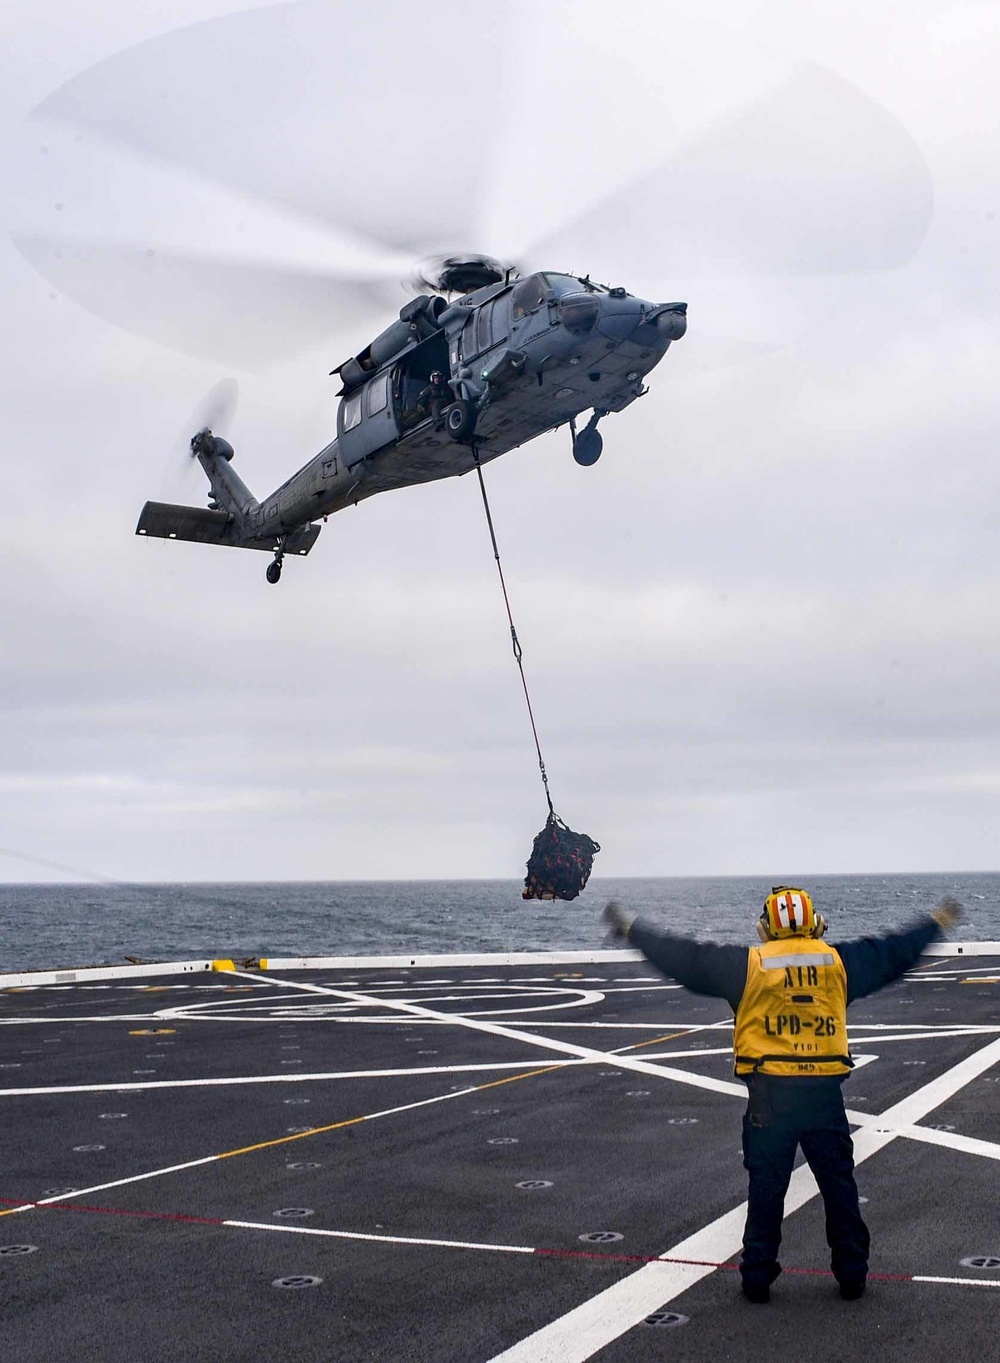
(758,633)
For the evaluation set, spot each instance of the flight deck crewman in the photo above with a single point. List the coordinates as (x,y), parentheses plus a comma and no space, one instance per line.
(790,997)
(434,398)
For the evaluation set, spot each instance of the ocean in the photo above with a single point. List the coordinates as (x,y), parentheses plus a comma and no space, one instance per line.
(74,925)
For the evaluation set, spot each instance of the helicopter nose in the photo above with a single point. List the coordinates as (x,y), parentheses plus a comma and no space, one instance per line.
(619,316)
(671,320)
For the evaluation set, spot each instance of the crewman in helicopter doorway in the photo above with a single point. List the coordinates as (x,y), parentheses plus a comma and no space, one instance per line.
(790,997)
(434,398)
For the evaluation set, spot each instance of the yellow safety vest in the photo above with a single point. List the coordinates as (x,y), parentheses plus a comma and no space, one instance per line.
(792,1018)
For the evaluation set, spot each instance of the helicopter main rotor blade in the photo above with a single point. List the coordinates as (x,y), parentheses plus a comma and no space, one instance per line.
(811,177)
(242,315)
(346,117)
(299,160)
(240,188)
(197,266)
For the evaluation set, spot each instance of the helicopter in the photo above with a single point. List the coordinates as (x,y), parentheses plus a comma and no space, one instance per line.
(509,359)
(187,220)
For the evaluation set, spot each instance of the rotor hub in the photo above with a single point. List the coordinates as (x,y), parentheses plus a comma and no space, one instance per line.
(461,273)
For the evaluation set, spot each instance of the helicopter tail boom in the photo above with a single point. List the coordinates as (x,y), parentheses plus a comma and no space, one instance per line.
(229,492)
(165,521)
(233,518)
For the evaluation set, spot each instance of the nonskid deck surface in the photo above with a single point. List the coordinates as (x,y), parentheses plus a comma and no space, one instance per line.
(471,1163)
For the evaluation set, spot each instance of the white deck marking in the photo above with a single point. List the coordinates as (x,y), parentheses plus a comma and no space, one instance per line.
(921,1027)
(515,1034)
(881,1038)
(427,1242)
(618,956)
(382,1239)
(229,1154)
(956,1282)
(117,1183)
(642,988)
(566,997)
(413,995)
(298,1078)
(74,1018)
(944,975)
(953,1140)
(580,1333)
(413,1071)
(660,1026)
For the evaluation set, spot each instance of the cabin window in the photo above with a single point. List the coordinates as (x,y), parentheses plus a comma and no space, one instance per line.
(528,295)
(378,395)
(350,410)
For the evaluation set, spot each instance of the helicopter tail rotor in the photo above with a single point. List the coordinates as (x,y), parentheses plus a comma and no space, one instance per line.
(213,413)
(213,446)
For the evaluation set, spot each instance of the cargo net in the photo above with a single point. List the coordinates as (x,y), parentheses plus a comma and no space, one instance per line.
(560,862)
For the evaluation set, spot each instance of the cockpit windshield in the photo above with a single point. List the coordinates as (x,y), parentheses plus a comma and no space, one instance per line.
(528,295)
(567,283)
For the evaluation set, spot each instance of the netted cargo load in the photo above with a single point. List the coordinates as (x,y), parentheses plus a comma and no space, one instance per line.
(560,862)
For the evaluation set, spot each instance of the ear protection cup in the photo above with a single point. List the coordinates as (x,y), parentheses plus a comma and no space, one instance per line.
(788,912)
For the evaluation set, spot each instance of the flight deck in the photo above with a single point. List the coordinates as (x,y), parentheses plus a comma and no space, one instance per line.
(506,1159)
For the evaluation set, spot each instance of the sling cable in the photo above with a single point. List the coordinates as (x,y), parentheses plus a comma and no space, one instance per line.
(561,860)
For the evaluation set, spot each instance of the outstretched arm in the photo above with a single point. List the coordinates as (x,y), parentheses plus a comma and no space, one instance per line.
(873,962)
(702,967)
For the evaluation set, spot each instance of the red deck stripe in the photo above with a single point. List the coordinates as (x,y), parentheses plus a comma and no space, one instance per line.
(541,1251)
(116,1211)
(705,1263)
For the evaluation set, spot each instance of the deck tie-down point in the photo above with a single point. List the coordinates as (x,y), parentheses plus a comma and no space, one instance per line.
(666,1318)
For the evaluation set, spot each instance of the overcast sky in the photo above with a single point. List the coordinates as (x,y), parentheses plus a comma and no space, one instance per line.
(761,634)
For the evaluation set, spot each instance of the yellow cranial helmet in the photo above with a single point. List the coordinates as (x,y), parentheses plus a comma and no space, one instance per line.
(788,912)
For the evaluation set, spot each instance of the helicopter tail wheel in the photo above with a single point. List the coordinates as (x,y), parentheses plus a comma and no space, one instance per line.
(273,573)
(587,446)
(460,420)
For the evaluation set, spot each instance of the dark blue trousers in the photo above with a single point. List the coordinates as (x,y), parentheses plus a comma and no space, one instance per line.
(772,1130)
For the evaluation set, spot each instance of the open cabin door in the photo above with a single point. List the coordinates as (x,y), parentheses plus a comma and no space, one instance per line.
(412,375)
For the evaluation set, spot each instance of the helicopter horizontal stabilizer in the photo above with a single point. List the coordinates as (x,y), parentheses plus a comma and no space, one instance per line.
(163,520)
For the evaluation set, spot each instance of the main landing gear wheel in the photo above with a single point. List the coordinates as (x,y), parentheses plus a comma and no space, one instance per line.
(587,447)
(273,573)
(460,420)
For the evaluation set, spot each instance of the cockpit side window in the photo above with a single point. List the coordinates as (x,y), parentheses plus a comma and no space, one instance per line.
(500,321)
(469,338)
(528,295)
(484,337)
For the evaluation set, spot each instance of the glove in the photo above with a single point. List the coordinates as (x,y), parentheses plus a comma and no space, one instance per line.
(617,919)
(947,913)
